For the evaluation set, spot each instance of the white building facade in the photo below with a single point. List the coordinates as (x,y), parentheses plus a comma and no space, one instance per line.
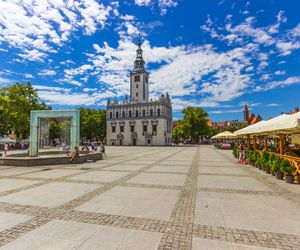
(138,121)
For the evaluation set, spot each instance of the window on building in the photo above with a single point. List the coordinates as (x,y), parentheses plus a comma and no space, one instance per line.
(146,79)
(137,86)
(149,141)
(144,112)
(145,128)
(136,94)
(122,128)
(158,112)
(136,113)
(129,114)
(154,129)
(113,129)
(110,115)
(132,128)
(117,114)
(137,78)
(123,114)
(151,112)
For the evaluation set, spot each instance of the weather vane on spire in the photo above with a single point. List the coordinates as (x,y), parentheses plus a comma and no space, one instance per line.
(139,41)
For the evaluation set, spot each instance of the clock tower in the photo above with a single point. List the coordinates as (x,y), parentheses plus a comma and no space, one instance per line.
(139,78)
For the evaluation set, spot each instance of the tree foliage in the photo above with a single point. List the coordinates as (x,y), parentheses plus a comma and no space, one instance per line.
(192,125)
(92,124)
(16,103)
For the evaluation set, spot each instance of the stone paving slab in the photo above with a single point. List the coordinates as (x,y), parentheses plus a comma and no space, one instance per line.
(232,182)
(221,171)
(161,179)
(9,184)
(103,176)
(16,171)
(185,198)
(59,234)
(8,220)
(53,173)
(126,167)
(170,169)
(134,201)
(205,244)
(49,195)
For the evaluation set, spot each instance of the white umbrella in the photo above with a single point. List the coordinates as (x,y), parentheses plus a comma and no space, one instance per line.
(284,124)
(6,140)
(224,135)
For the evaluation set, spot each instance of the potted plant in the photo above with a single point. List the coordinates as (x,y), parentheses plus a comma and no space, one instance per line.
(287,169)
(235,151)
(250,157)
(265,159)
(272,157)
(259,161)
(255,158)
(276,167)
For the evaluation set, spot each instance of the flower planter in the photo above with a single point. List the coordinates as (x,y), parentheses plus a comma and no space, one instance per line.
(279,175)
(268,171)
(289,179)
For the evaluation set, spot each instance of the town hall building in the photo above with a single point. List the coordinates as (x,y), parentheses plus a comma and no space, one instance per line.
(138,120)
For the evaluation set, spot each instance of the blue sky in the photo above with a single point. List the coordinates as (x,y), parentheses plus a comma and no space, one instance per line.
(216,54)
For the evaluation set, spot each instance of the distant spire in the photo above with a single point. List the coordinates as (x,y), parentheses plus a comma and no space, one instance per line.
(139,41)
(139,63)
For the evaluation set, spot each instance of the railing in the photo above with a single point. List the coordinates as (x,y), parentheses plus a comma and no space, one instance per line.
(294,160)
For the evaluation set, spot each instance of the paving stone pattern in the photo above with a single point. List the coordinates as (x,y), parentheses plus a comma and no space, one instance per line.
(173,206)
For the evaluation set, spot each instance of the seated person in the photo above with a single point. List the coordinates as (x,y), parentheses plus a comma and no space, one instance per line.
(75,154)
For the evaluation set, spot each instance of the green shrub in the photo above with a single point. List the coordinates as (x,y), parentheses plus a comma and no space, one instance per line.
(235,151)
(286,167)
(265,159)
(248,155)
(272,157)
(276,163)
(258,160)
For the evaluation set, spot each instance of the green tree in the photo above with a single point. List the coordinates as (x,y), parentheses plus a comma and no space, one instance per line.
(192,125)
(92,124)
(16,103)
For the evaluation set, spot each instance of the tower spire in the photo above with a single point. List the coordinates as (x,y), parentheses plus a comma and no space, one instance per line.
(139,63)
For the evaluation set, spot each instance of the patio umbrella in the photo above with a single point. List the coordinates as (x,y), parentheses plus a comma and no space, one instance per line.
(224,135)
(4,140)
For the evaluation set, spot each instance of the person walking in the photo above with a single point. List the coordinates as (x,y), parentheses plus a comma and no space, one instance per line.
(6,148)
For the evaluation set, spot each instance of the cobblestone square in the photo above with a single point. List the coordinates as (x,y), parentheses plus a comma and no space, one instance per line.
(148,198)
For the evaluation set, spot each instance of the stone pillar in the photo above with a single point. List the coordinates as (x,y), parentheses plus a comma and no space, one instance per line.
(75,130)
(34,128)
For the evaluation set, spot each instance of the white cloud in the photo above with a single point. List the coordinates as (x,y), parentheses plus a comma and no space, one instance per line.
(279,72)
(33,55)
(4,81)
(28,76)
(225,111)
(163,5)
(279,84)
(47,72)
(40,26)
(182,70)
(272,105)
(143,2)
